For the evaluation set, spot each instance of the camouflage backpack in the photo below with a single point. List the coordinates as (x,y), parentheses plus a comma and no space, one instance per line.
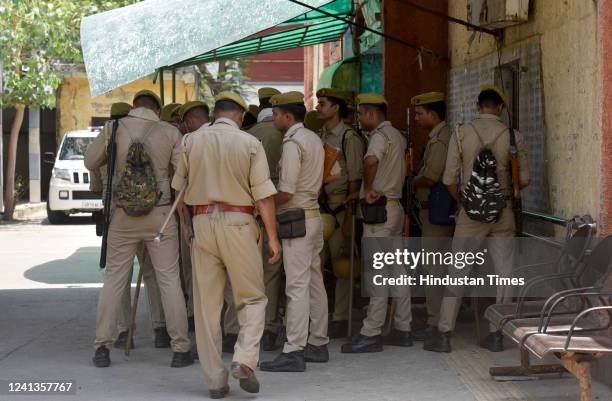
(136,190)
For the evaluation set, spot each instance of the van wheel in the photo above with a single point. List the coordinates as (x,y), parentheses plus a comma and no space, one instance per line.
(56,217)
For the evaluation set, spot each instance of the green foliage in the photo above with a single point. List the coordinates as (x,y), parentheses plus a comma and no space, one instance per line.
(34,35)
(230,75)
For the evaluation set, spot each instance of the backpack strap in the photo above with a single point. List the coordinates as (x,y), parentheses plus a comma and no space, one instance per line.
(495,137)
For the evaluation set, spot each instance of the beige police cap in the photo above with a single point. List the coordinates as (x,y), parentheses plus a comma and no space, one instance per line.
(427,98)
(254,109)
(264,93)
(497,90)
(120,109)
(189,106)
(168,110)
(312,121)
(282,99)
(151,94)
(335,93)
(370,98)
(233,97)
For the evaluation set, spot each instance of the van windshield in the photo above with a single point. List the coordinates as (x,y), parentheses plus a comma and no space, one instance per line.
(74,148)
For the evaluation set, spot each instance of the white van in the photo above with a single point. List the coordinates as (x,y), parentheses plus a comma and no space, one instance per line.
(69,187)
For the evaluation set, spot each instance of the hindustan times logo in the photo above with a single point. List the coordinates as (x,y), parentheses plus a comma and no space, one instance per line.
(404,257)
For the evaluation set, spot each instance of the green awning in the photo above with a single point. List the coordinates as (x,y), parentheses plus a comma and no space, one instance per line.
(308,29)
(342,75)
(341,8)
(321,32)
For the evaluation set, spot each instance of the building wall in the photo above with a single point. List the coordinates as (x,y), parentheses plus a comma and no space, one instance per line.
(75,107)
(566,34)
(316,59)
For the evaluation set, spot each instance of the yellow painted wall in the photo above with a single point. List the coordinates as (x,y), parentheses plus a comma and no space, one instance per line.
(567,31)
(75,107)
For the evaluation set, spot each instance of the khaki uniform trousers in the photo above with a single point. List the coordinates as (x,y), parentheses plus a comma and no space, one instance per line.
(306,296)
(187,272)
(467,234)
(436,238)
(272,282)
(336,245)
(226,245)
(377,308)
(156,310)
(125,237)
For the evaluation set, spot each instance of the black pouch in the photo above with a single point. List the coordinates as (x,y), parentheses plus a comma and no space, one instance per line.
(374,213)
(291,224)
(442,206)
(98,218)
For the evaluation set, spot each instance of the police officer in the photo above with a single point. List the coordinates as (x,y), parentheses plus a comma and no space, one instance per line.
(193,115)
(300,179)
(169,113)
(226,175)
(162,340)
(430,114)
(332,109)
(487,129)
(271,139)
(126,234)
(384,173)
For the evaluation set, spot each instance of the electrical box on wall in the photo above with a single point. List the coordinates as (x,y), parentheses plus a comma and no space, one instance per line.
(498,14)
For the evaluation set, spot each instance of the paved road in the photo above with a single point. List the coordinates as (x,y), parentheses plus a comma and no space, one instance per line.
(49,284)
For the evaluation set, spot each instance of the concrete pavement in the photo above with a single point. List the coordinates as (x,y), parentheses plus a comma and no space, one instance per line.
(49,284)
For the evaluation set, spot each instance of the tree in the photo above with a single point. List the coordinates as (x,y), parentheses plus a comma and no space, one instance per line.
(34,35)
(224,75)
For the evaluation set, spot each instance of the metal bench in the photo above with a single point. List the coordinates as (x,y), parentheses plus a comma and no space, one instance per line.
(552,323)
(567,273)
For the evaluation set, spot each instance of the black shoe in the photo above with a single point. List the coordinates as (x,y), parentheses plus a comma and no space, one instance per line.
(438,343)
(246,376)
(285,362)
(162,339)
(122,340)
(182,359)
(268,341)
(217,393)
(101,358)
(494,342)
(229,340)
(191,326)
(424,334)
(316,353)
(337,329)
(361,343)
(398,338)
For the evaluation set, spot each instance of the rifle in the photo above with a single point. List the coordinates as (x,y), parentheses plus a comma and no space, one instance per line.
(517,201)
(110,171)
(409,169)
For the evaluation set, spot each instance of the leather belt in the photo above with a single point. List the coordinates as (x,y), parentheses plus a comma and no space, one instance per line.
(222,207)
(160,205)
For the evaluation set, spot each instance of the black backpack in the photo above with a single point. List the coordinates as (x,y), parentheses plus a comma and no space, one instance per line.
(482,196)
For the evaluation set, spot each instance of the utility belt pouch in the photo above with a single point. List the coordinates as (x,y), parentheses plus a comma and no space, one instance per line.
(374,213)
(100,221)
(291,224)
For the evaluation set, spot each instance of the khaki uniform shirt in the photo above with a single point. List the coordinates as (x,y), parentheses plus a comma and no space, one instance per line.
(301,168)
(465,138)
(351,163)
(272,141)
(434,158)
(222,164)
(160,140)
(388,145)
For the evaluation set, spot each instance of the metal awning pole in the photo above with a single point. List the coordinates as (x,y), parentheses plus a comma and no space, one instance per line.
(173,85)
(161,85)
